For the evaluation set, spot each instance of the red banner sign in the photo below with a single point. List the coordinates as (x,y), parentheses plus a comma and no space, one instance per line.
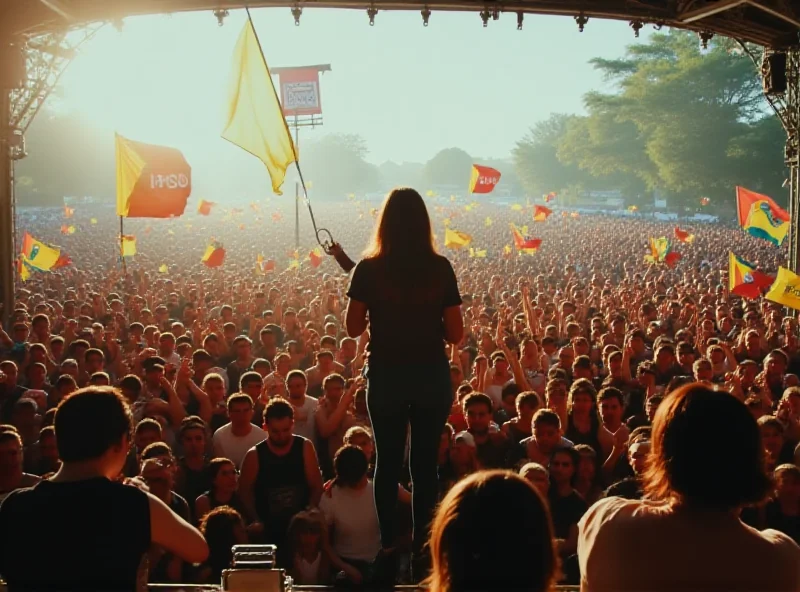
(300,91)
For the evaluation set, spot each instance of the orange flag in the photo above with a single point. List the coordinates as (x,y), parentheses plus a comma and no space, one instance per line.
(744,203)
(540,213)
(68,211)
(152,181)
(204,207)
(315,257)
(483,179)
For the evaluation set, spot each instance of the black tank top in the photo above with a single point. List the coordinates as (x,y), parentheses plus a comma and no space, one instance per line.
(235,502)
(281,488)
(589,438)
(92,535)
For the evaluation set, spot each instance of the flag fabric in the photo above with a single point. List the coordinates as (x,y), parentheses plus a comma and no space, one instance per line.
(93,221)
(548,197)
(67,229)
(744,279)
(315,257)
(761,217)
(786,289)
(63,261)
(163,268)
(453,239)
(39,255)
(660,251)
(487,222)
(704,201)
(516,207)
(214,255)
(23,269)
(540,213)
(633,208)
(255,119)
(683,235)
(204,207)
(68,211)
(152,181)
(522,242)
(483,179)
(477,253)
(128,245)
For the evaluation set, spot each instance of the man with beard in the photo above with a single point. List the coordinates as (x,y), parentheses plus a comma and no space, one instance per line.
(280,477)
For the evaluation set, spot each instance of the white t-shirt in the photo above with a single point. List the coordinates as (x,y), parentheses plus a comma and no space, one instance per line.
(641,546)
(234,448)
(352,514)
(304,418)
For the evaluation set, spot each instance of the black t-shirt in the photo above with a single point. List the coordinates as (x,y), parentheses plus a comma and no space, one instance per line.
(406,321)
(566,511)
(90,535)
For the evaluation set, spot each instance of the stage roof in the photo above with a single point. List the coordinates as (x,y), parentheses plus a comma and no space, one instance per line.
(773,23)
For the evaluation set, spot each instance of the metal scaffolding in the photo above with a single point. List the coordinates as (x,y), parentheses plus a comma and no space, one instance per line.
(46,59)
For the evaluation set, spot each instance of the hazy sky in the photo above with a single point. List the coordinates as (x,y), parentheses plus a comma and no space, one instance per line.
(407,89)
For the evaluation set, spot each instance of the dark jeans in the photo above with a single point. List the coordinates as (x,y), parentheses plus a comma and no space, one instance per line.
(418,395)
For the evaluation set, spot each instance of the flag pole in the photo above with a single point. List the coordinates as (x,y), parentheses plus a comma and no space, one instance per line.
(121,242)
(296,187)
(318,231)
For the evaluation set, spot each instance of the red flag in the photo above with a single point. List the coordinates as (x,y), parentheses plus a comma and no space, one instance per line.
(214,255)
(315,258)
(683,236)
(483,179)
(62,261)
(672,258)
(540,213)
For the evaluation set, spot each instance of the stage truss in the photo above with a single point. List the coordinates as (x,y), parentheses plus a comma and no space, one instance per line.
(51,31)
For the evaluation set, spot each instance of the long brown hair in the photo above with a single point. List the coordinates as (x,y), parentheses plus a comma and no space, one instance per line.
(472,551)
(403,230)
(689,423)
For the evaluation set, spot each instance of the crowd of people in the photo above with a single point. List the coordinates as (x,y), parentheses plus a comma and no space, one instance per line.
(248,398)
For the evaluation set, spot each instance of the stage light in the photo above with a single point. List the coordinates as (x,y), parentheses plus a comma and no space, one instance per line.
(705,37)
(296,13)
(485,15)
(221,14)
(426,15)
(581,20)
(636,26)
(371,12)
(520,16)
(118,24)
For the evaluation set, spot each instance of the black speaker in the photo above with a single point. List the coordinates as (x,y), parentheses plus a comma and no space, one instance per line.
(773,73)
(12,66)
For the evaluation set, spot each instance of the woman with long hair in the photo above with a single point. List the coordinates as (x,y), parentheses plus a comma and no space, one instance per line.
(706,463)
(411,296)
(473,551)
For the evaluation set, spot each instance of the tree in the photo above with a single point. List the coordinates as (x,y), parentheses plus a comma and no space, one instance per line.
(536,160)
(337,167)
(451,166)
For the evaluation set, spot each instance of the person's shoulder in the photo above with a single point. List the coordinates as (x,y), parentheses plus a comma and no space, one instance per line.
(221,431)
(783,546)
(443,262)
(611,510)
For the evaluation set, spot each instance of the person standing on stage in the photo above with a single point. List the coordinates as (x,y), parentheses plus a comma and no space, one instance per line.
(411,295)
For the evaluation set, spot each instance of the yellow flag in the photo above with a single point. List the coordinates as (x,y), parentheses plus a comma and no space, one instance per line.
(453,239)
(516,207)
(93,220)
(480,253)
(488,222)
(128,245)
(254,119)
(786,289)
(163,268)
(129,168)
(447,222)
(507,250)
(37,254)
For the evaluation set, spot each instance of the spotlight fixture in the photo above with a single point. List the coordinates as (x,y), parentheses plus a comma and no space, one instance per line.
(636,26)
(705,37)
(118,24)
(520,16)
(581,20)
(220,13)
(297,12)
(426,14)
(485,16)
(371,12)
(495,15)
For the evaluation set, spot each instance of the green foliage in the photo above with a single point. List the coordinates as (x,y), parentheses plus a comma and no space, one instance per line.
(685,121)
(337,167)
(451,166)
